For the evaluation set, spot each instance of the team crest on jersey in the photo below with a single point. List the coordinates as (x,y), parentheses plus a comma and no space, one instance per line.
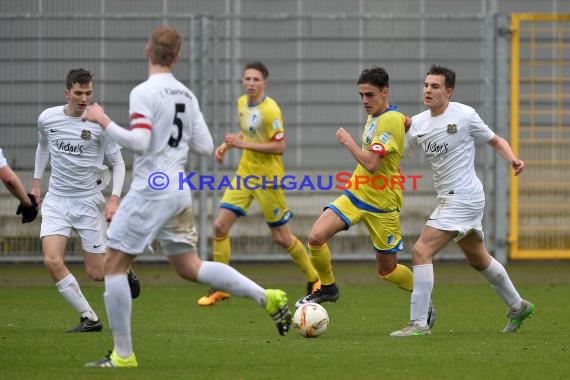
(85,134)
(451,129)
(253,118)
(254,121)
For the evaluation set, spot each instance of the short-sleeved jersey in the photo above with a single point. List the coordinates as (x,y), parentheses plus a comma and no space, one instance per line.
(171,112)
(2,159)
(448,143)
(77,150)
(260,123)
(383,135)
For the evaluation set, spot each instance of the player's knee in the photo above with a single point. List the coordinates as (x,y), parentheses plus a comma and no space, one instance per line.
(419,255)
(53,263)
(220,228)
(315,238)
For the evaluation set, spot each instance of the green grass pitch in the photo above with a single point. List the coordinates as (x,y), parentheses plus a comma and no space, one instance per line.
(176,339)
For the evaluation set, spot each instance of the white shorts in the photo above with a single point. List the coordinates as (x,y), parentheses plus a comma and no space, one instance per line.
(456,214)
(85,215)
(139,221)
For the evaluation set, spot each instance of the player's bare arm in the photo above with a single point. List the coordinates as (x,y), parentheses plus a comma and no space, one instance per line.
(369,160)
(14,185)
(271,147)
(504,150)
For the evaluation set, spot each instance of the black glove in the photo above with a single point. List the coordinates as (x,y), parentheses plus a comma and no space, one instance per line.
(29,213)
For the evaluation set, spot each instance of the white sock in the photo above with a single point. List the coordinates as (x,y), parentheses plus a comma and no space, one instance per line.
(223,277)
(421,295)
(118,303)
(70,290)
(496,274)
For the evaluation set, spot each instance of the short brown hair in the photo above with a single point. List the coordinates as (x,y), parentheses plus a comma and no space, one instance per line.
(80,76)
(259,66)
(376,76)
(448,75)
(164,44)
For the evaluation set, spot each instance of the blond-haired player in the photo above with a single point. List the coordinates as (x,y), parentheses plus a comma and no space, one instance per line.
(165,125)
(262,142)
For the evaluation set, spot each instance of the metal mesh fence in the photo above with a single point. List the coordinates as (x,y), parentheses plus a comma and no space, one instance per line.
(314,60)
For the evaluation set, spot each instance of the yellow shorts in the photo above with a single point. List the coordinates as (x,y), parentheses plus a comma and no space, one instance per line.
(271,201)
(384,227)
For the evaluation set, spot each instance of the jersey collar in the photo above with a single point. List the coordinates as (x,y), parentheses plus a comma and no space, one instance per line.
(390,108)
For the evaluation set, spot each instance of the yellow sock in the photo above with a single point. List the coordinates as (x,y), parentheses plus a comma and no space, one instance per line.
(222,249)
(321,259)
(299,254)
(401,276)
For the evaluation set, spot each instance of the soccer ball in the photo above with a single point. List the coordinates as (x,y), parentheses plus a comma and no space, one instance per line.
(311,319)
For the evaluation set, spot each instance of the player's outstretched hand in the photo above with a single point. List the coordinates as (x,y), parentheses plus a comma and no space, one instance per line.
(518,166)
(219,153)
(29,213)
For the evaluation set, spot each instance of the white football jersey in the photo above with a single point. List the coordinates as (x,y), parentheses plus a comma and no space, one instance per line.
(2,159)
(448,143)
(172,113)
(77,150)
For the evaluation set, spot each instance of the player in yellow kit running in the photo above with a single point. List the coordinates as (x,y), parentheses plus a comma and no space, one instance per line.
(366,199)
(262,141)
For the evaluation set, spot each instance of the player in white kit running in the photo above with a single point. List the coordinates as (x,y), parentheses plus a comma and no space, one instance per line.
(165,124)
(74,200)
(446,134)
